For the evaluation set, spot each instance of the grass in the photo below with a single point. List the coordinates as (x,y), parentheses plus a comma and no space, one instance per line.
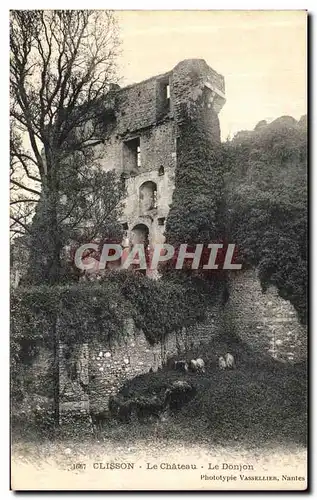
(261,400)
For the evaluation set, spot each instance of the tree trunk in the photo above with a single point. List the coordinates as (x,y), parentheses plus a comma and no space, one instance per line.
(46,244)
(56,374)
(51,199)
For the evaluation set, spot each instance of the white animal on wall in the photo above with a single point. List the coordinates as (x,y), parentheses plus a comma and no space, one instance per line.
(222,363)
(229,360)
(200,365)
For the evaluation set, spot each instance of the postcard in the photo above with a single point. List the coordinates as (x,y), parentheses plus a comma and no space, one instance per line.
(158,201)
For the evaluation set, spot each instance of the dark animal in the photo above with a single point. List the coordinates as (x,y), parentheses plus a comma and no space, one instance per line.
(97,419)
(181,366)
(178,394)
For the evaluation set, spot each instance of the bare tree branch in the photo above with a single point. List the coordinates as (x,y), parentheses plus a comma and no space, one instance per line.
(62,63)
(26,188)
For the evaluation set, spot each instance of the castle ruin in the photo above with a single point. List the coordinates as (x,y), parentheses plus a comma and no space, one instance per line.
(142,145)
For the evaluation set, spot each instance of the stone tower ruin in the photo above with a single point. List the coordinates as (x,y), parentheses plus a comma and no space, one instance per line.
(142,144)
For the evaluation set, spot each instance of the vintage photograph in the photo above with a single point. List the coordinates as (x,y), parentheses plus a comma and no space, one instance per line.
(158,250)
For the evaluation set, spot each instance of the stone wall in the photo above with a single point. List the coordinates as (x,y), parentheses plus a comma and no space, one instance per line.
(265,321)
(73,379)
(136,106)
(190,78)
(110,366)
(158,149)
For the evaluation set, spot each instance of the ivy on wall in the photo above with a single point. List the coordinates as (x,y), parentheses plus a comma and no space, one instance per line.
(79,313)
(196,213)
(98,311)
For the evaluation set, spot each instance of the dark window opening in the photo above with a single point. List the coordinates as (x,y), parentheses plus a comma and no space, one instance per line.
(163,97)
(161,221)
(132,154)
(125,226)
(167,87)
(161,170)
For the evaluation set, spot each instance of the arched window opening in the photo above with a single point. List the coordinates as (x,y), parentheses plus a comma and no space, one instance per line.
(148,196)
(161,170)
(140,235)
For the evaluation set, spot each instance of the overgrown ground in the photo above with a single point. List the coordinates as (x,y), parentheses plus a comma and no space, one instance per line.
(261,401)
(254,414)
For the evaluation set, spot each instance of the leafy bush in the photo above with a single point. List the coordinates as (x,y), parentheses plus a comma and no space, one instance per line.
(43,315)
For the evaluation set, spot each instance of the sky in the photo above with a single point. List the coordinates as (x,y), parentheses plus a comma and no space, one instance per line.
(261,54)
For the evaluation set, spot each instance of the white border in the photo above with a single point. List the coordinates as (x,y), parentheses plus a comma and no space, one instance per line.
(4,198)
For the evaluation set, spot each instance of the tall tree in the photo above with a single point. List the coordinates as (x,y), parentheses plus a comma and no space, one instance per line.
(61,70)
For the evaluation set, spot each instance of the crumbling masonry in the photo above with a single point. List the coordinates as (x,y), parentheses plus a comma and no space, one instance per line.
(142,145)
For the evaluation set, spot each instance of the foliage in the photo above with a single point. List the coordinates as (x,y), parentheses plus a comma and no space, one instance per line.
(266,204)
(196,213)
(194,216)
(98,311)
(92,202)
(159,307)
(83,311)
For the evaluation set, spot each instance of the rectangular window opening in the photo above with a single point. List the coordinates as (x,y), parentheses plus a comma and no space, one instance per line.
(167,97)
(163,97)
(132,154)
